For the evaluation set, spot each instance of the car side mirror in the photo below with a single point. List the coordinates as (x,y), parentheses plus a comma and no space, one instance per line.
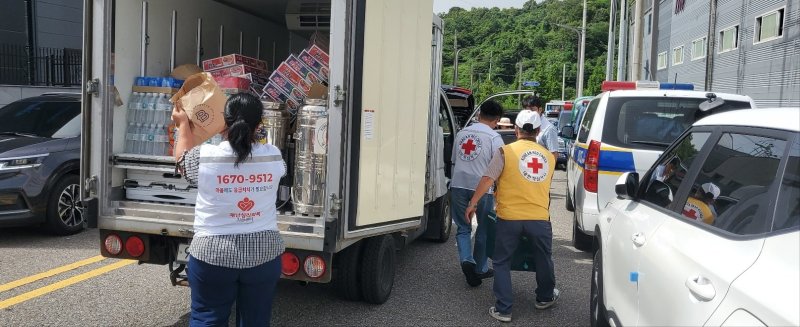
(568,132)
(712,103)
(627,185)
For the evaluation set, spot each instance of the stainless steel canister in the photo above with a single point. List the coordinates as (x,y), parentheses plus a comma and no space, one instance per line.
(311,148)
(274,124)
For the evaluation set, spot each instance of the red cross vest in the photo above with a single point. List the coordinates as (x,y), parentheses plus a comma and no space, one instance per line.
(472,152)
(523,189)
(237,200)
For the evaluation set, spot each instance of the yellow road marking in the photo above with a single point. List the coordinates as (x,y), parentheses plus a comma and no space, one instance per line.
(64,283)
(50,273)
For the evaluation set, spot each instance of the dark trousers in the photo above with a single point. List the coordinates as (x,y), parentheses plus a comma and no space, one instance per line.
(540,234)
(215,289)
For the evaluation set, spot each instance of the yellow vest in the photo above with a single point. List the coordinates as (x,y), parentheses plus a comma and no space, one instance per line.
(698,210)
(523,189)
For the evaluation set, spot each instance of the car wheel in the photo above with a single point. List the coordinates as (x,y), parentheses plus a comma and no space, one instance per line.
(64,215)
(346,275)
(568,202)
(598,316)
(377,269)
(580,240)
(440,222)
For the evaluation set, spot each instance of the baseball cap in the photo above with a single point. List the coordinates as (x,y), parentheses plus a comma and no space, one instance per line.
(711,188)
(528,117)
(505,121)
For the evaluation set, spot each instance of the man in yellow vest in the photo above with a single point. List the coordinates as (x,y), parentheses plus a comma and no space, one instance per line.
(523,171)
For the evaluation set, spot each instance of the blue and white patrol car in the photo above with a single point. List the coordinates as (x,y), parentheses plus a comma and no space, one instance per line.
(625,129)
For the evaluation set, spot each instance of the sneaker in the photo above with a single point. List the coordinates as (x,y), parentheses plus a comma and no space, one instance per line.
(504,317)
(468,268)
(541,305)
(488,274)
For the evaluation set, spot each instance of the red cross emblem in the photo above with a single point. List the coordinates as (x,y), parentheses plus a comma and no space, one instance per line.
(690,213)
(468,147)
(534,165)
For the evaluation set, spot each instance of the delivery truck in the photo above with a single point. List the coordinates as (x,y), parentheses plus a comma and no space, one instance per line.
(375,178)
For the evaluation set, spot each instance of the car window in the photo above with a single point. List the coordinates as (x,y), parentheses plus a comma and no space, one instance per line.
(731,191)
(588,119)
(40,118)
(653,122)
(664,180)
(444,120)
(787,213)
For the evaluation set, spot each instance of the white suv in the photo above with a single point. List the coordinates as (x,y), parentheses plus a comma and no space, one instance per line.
(713,240)
(625,129)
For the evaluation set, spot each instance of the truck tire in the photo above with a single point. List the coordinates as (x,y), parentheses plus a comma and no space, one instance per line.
(580,240)
(440,222)
(63,216)
(346,275)
(377,269)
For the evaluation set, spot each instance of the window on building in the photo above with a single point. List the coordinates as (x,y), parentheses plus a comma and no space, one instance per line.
(729,39)
(699,48)
(677,55)
(662,60)
(649,23)
(769,26)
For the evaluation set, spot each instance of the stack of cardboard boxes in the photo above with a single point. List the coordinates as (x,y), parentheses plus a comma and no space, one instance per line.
(292,80)
(236,73)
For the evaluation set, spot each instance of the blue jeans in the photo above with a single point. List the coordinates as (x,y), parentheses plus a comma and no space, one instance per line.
(540,234)
(459,200)
(215,289)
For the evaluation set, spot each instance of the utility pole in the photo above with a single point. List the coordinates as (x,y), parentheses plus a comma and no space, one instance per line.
(455,58)
(623,40)
(519,83)
(653,67)
(710,45)
(636,58)
(471,76)
(582,56)
(563,81)
(611,34)
(491,56)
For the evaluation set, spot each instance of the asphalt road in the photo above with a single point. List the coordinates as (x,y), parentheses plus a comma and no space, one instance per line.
(429,288)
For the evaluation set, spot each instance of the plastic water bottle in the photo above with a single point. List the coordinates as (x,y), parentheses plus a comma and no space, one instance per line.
(143,99)
(138,144)
(134,103)
(164,110)
(131,138)
(162,141)
(151,140)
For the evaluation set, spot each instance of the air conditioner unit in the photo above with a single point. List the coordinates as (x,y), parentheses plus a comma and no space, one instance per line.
(308,15)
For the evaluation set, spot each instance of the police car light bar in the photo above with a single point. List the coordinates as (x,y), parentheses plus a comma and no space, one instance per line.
(644,85)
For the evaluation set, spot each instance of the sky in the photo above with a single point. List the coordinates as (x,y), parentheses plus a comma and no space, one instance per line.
(440,6)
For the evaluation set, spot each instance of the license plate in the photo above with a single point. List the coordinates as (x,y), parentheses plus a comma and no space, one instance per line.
(183,253)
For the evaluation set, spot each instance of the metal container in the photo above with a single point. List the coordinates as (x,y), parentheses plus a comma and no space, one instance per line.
(274,124)
(311,148)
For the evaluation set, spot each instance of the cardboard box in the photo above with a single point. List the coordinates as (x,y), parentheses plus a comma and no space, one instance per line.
(294,77)
(232,60)
(304,70)
(154,89)
(317,52)
(238,70)
(315,65)
(271,91)
(183,72)
(233,82)
(287,87)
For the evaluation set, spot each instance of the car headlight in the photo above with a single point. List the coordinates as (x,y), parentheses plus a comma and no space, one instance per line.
(22,162)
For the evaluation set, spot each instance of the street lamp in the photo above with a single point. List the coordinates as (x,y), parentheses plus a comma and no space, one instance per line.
(581,44)
(455,66)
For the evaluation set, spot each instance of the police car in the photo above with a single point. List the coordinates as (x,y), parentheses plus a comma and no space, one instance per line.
(625,129)
(713,240)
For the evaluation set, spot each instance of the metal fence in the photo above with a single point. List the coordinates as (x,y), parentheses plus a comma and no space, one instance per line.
(42,67)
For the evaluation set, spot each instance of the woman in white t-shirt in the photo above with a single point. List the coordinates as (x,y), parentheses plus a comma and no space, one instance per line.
(236,248)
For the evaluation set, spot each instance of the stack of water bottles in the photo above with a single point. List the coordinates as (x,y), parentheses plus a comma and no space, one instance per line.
(149,117)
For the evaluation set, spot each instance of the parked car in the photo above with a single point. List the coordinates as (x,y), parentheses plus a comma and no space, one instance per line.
(710,235)
(39,154)
(462,102)
(625,129)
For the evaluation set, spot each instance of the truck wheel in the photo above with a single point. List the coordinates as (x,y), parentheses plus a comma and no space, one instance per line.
(346,275)
(440,222)
(570,206)
(64,216)
(377,269)
(580,240)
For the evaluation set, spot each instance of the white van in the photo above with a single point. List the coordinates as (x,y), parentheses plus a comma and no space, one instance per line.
(625,129)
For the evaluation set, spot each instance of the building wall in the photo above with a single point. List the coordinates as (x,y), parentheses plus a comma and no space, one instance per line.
(12,22)
(57,23)
(769,72)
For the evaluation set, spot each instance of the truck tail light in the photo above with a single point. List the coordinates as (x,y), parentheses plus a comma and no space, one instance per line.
(134,246)
(590,170)
(314,266)
(113,244)
(290,263)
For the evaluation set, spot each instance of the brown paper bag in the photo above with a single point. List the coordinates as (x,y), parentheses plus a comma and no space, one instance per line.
(204,103)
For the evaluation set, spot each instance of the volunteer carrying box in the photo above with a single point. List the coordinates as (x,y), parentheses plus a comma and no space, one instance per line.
(204,103)
(232,60)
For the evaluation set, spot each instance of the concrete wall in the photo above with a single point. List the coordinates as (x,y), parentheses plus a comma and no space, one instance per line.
(10,94)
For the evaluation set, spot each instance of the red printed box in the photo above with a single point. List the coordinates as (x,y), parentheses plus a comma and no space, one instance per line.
(233,82)
(319,54)
(275,93)
(315,65)
(238,70)
(304,70)
(294,77)
(232,60)
(286,86)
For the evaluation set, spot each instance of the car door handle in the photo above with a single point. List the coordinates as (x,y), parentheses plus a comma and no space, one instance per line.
(701,288)
(638,239)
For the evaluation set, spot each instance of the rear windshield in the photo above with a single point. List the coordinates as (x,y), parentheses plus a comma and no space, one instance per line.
(40,118)
(653,123)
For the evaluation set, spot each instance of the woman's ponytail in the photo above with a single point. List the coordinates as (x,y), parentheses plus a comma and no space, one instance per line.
(242,116)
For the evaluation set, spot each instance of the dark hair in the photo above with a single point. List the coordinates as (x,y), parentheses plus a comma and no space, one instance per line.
(531,101)
(242,115)
(675,161)
(528,130)
(491,110)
